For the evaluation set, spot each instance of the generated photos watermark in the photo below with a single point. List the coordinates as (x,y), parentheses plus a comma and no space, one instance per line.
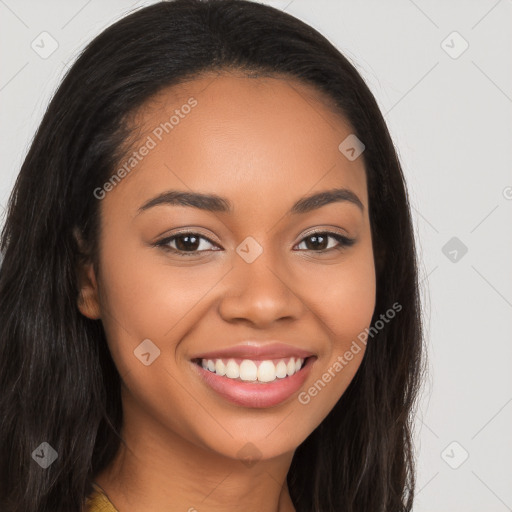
(342,360)
(149,144)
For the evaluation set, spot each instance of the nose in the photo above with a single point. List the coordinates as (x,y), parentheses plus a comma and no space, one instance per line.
(260,293)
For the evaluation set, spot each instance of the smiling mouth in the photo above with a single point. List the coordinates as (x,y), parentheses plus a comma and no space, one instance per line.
(252,370)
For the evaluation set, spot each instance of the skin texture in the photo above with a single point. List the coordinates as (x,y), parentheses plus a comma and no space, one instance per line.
(263,143)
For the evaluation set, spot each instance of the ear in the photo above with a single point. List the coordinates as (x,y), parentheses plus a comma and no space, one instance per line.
(88,298)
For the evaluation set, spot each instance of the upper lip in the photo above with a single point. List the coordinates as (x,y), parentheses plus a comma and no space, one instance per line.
(255,350)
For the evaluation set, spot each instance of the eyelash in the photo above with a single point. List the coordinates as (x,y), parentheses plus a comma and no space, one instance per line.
(343,242)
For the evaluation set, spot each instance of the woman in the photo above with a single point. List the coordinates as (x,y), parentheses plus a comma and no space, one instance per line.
(209,294)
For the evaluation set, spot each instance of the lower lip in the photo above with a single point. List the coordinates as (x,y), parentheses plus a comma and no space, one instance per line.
(256,395)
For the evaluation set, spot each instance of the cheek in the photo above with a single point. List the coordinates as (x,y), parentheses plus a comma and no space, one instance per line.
(144,298)
(345,302)
(344,297)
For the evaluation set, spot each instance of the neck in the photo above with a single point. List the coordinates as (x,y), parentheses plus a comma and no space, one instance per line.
(165,471)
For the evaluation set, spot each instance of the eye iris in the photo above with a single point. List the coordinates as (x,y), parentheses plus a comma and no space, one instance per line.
(193,242)
(318,241)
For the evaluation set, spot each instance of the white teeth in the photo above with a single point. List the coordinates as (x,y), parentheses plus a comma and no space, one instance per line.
(266,371)
(281,370)
(232,370)
(248,370)
(220,367)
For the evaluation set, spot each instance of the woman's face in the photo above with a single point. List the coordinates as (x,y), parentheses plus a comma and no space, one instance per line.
(251,275)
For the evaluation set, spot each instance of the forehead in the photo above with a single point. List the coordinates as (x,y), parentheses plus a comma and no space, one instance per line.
(264,137)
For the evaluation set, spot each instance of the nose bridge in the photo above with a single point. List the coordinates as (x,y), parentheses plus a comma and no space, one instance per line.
(259,289)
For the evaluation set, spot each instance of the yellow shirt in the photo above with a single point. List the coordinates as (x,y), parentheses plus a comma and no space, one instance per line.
(98,501)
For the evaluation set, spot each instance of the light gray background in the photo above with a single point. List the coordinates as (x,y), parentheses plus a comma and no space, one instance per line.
(451,121)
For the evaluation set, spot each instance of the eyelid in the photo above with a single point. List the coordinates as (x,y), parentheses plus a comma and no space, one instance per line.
(186,231)
(327,230)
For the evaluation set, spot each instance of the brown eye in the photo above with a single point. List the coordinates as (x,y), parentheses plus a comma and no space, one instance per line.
(319,242)
(186,244)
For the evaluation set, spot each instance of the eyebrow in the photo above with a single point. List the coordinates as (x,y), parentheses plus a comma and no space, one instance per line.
(218,204)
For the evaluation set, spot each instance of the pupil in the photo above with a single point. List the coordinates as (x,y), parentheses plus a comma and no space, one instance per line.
(185,247)
(317,240)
